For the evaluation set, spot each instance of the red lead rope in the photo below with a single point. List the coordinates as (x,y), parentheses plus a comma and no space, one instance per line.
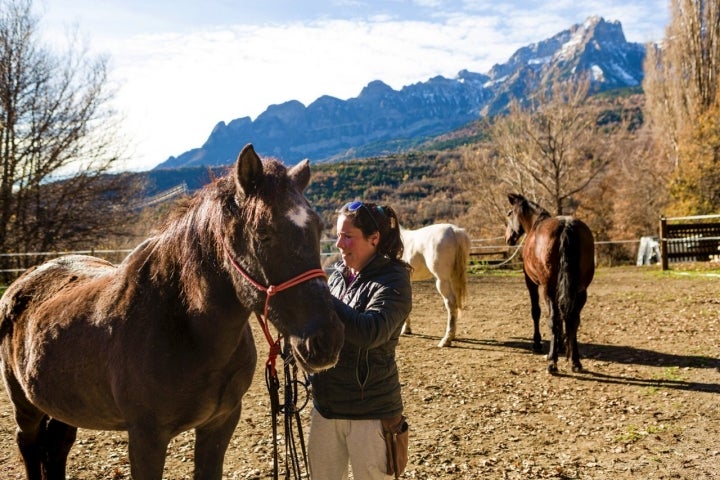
(270,291)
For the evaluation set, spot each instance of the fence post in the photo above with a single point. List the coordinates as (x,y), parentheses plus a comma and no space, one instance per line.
(663,242)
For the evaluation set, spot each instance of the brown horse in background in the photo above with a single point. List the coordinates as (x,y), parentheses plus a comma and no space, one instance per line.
(161,343)
(559,256)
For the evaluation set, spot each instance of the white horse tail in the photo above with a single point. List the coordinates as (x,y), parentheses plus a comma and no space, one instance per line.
(462,255)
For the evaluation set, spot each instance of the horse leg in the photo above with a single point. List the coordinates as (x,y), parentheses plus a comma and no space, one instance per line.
(44,444)
(31,423)
(572,327)
(28,438)
(449,299)
(211,442)
(554,322)
(533,290)
(57,439)
(406,329)
(147,449)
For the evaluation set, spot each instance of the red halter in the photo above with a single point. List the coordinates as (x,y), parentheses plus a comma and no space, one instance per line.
(270,291)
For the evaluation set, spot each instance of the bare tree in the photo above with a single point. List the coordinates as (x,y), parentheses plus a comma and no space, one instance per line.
(551,147)
(57,140)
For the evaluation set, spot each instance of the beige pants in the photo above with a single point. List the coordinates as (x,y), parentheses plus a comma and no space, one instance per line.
(332,444)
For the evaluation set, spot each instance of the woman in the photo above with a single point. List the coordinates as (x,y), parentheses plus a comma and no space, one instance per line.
(373,297)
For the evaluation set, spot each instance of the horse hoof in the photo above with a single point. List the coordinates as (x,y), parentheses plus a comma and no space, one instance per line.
(445,343)
(577,368)
(405,331)
(552,369)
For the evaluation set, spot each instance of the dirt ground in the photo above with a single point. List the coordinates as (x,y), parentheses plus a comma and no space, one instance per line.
(647,406)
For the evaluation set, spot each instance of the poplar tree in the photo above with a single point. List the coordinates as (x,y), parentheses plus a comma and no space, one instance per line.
(682,105)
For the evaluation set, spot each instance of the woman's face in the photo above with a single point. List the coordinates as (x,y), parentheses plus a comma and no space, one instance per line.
(356,249)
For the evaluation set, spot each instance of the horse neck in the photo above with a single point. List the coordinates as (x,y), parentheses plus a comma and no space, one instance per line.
(187,258)
(208,317)
(535,218)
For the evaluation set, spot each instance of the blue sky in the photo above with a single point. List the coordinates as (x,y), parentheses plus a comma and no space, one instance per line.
(182,66)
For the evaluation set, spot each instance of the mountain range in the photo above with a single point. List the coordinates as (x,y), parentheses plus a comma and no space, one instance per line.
(382,120)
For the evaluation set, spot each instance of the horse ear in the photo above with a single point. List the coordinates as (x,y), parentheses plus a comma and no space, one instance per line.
(514,198)
(249,170)
(300,174)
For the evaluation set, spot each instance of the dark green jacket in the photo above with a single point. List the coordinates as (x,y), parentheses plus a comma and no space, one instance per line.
(364,384)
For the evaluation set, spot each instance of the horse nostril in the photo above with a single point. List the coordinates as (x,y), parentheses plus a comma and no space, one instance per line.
(324,344)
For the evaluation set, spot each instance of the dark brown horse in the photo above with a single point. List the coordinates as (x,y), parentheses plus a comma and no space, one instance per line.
(559,256)
(161,343)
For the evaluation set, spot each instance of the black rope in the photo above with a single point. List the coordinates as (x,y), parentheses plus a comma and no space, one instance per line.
(273,386)
(296,463)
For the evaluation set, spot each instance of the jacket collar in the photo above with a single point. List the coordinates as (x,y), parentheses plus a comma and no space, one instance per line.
(375,263)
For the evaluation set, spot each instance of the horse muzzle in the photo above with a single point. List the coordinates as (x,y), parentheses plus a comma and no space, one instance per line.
(511,238)
(321,349)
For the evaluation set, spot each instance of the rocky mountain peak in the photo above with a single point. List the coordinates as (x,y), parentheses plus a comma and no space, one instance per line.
(382,120)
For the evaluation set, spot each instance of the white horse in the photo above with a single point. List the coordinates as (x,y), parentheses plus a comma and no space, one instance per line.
(441,251)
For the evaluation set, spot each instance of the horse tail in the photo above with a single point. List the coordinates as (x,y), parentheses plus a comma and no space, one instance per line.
(462,255)
(568,276)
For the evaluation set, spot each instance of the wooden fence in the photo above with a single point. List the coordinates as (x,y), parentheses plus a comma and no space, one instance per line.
(689,239)
(485,252)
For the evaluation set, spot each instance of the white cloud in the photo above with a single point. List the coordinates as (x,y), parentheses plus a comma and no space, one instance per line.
(178,78)
(190,82)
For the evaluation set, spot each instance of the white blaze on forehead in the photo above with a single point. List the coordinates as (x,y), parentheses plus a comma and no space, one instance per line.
(299,216)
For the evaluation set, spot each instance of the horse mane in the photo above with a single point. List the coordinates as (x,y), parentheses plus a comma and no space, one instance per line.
(192,235)
(188,238)
(533,208)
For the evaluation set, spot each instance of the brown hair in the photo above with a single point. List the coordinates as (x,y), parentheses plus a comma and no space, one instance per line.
(371,218)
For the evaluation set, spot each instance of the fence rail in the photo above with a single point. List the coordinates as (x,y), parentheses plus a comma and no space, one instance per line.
(164,196)
(491,252)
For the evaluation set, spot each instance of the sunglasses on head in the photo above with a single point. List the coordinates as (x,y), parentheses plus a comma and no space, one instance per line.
(357,204)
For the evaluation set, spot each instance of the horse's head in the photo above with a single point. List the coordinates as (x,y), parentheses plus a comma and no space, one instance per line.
(514,229)
(271,236)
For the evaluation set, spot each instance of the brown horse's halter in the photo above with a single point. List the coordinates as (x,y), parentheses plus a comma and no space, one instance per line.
(271,378)
(270,291)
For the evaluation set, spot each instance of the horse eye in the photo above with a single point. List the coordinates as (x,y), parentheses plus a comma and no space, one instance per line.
(264,234)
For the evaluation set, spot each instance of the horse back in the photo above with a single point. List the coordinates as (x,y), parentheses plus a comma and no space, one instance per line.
(541,253)
(436,250)
(58,279)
